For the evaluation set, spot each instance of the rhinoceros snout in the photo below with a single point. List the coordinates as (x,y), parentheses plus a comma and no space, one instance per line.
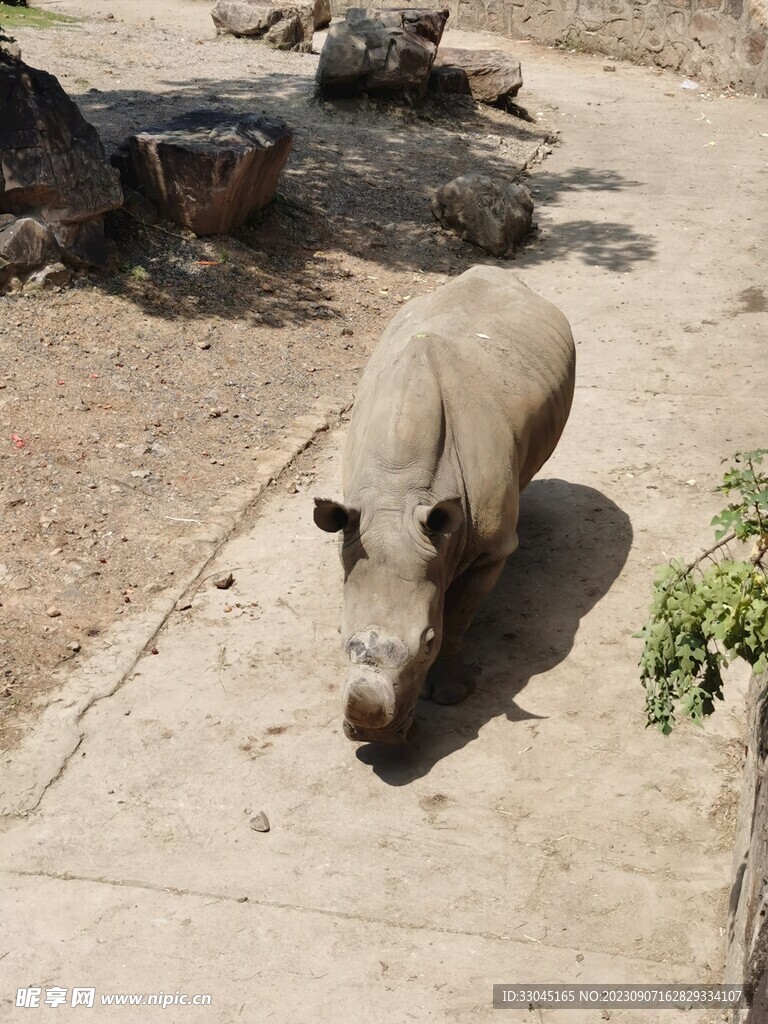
(369,701)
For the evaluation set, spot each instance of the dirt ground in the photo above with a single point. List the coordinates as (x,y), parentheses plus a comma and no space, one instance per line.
(140,399)
(539,834)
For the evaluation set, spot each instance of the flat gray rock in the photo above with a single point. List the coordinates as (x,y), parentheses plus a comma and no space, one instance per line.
(285,28)
(494,76)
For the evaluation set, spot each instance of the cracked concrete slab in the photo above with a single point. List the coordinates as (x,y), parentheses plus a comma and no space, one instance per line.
(540,834)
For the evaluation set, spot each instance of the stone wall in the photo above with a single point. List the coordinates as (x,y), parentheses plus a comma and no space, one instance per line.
(747,935)
(723,42)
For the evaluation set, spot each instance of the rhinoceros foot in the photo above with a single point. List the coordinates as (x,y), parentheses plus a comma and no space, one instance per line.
(449,681)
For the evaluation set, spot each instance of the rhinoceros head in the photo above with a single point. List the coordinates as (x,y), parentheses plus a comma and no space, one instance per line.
(395,576)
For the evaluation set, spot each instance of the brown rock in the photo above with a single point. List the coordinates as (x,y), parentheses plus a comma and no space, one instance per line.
(490,212)
(26,243)
(321,13)
(55,275)
(51,159)
(208,170)
(494,76)
(381,49)
(449,81)
(286,33)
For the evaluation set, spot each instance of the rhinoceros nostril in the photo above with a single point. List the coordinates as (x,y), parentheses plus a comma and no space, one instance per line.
(360,651)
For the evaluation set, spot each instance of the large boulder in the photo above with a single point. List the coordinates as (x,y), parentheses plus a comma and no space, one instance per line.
(381,49)
(494,76)
(287,28)
(208,170)
(490,212)
(55,180)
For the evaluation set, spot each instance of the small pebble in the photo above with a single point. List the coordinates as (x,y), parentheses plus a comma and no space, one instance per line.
(74,646)
(53,612)
(260,823)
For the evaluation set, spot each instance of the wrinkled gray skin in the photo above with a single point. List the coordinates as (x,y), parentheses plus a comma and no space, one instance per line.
(462,402)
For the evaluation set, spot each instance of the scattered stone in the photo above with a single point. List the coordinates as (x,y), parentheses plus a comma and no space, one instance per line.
(291,488)
(609,67)
(208,170)
(217,410)
(53,612)
(26,243)
(183,605)
(224,582)
(286,28)
(494,76)
(241,899)
(55,178)
(380,49)
(141,474)
(204,345)
(490,212)
(55,275)
(73,646)
(260,823)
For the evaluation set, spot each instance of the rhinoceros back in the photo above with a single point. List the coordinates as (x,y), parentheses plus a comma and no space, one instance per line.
(473,381)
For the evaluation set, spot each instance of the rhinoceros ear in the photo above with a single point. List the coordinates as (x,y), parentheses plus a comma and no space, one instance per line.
(445,516)
(332,516)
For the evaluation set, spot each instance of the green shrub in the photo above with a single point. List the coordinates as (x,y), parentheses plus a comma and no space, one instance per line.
(702,617)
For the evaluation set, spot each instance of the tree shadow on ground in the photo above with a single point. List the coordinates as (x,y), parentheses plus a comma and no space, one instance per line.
(358,183)
(574,542)
(609,244)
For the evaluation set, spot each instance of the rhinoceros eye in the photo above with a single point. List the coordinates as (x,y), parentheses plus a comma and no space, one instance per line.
(429,637)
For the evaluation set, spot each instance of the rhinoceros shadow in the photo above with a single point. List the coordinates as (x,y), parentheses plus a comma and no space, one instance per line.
(573,543)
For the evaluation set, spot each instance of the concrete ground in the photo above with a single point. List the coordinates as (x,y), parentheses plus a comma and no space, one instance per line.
(541,834)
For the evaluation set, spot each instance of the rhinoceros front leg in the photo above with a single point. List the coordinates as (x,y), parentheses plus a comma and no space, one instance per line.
(450,680)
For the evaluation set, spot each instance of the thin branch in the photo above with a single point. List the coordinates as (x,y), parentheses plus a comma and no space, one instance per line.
(705,554)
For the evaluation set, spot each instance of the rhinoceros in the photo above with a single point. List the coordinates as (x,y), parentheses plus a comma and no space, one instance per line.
(463,400)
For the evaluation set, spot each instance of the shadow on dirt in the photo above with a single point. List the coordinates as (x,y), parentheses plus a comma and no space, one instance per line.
(358,183)
(609,244)
(573,544)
